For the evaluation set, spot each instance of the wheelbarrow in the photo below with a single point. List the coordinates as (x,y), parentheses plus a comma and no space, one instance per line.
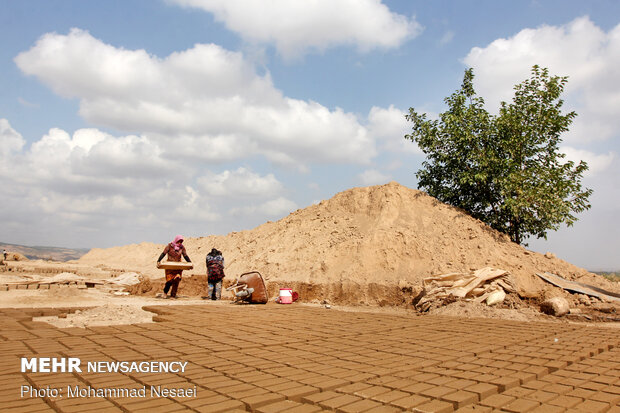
(250,288)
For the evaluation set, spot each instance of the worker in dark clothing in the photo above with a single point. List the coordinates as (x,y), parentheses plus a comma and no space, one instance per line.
(215,271)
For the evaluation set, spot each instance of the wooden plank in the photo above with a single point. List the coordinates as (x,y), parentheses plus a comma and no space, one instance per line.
(576,287)
(172,265)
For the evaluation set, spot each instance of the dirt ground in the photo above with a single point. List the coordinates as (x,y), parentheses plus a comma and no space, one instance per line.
(100,307)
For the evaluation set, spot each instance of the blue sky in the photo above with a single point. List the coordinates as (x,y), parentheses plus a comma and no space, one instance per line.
(131,121)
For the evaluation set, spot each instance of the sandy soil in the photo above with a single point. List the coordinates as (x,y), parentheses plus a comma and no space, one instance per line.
(385,235)
(92,307)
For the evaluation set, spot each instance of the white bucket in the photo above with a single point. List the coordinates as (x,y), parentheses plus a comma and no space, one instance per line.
(286,296)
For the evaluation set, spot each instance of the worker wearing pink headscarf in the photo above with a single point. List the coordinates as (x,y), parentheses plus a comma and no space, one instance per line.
(175,251)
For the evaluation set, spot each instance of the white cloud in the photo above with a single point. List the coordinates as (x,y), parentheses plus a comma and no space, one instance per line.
(295,27)
(240,183)
(597,163)
(203,103)
(26,103)
(92,160)
(92,181)
(389,127)
(580,50)
(272,208)
(373,177)
(447,37)
(10,141)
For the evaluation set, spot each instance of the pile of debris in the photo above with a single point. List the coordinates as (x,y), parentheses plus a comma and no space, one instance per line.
(488,285)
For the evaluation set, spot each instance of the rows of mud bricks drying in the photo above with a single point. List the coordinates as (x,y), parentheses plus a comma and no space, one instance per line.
(272,358)
(38,270)
(48,286)
(52,269)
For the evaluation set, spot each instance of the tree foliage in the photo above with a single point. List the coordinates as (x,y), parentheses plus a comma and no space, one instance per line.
(506,170)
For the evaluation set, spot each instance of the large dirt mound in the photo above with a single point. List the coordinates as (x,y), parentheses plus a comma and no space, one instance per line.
(361,239)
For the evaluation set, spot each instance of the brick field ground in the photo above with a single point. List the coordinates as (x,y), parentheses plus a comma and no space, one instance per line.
(274,358)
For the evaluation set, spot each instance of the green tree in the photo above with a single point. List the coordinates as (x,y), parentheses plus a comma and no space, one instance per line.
(506,170)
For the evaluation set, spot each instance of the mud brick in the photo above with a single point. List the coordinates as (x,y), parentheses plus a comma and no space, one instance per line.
(338,401)
(360,377)
(582,393)
(203,401)
(296,393)
(558,388)
(135,403)
(424,377)
(441,380)
(596,370)
(606,379)
(565,401)
(482,390)
(541,396)
(103,405)
(497,401)
(282,406)
(524,377)
(162,409)
(384,409)
(591,385)
(555,365)
(316,398)
(460,384)
(417,388)
(466,375)
(547,408)
(369,392)
(409,402)
(359,406)
(42,407)
(390,396)
(227,406)
(400,383)
(505,383)
(313,380)
(460,398)
(437,392)
(484,369)
(353,387)
(615,389)
(282,386)
(475,408)
(20,403)
(521,406)
(591,406)
(539,371)
(331,384)
(499,364)
(4,287)
(605,397)
(434,406)
(381,371)
(305,408)
(536,384)
(383,380)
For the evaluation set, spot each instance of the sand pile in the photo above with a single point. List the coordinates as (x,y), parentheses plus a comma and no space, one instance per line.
(364,245)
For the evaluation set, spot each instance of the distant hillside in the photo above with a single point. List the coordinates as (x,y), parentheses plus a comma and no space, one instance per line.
(45,253)
(610,275)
